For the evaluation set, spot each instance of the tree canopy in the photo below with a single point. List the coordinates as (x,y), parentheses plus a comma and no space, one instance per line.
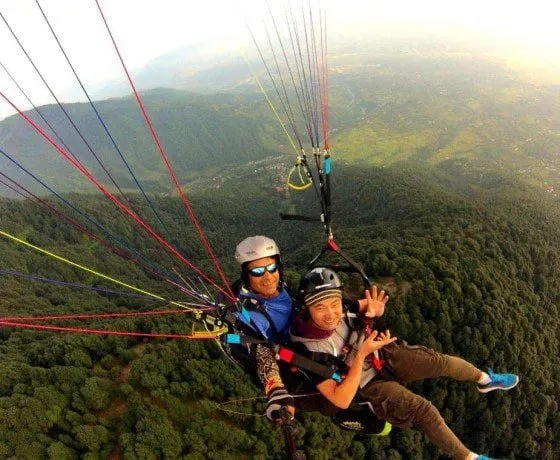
(471,272)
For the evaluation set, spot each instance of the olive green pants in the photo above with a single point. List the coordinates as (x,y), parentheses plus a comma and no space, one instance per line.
(401,407)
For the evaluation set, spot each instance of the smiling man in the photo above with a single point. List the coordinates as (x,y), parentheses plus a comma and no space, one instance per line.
(329,325)
(266,302)
(267,312)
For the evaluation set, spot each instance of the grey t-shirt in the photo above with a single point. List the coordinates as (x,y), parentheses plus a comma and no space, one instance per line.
(334,344)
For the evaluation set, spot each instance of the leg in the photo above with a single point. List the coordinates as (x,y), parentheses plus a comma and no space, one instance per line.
(411,363)
(356,418)
(402,408)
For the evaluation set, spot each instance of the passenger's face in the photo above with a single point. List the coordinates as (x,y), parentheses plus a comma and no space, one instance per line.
(266,285)
(327,313)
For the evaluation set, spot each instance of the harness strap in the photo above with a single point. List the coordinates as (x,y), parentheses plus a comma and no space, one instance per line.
(242,339)
(244,332)
(328,371)
(346,347)
(321,364)
(312,363)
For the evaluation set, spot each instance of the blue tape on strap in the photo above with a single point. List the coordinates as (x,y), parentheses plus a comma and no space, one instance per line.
(327,165)
(245,314)
(337,377)
(233,338)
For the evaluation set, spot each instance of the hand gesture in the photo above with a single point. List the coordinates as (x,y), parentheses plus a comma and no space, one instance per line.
(384,335)
(375,342)
(374,303)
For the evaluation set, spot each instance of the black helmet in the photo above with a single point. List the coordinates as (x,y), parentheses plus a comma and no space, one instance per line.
(318,280)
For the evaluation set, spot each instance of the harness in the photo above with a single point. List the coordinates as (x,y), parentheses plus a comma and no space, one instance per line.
(296,355)
(268,317)
(359,417)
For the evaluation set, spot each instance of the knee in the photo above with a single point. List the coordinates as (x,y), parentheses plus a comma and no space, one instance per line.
(409,411)
(426,413)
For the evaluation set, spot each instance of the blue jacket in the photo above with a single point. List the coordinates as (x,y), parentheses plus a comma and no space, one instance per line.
(279,309)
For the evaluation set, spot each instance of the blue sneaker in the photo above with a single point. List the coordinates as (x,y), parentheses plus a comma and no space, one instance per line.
(483,457)
(498,382)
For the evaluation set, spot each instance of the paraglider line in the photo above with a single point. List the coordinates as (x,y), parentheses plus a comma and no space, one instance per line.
(165,159)
(89,270)
(158,271)
(93,316)
(270,104)
(103,123)
(43,327)
(125,209)
(65,113)
(303,75)
(312,96)
(39,112)
(220,406)
(286,101)
(70,284)
(325,100)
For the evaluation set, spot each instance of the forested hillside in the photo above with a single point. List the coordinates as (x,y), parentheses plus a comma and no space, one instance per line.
(199,133)
(387,106)
(474,260)
(437,108)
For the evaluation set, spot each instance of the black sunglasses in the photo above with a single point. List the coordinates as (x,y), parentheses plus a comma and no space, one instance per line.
(260,271)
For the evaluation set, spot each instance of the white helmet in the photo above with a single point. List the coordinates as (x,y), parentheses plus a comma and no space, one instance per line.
(255,247)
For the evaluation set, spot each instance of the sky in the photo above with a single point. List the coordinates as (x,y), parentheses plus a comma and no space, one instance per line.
(145,30)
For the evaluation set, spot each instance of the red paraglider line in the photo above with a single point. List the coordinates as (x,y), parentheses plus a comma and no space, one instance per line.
(78,330)
(165,159)
(100,315)
(125,209)
(67,219)
(83,229)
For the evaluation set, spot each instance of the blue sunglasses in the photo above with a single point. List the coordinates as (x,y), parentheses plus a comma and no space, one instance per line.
(260,271)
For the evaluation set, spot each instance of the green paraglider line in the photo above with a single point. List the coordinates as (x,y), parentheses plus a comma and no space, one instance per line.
(89,270)
(123,207)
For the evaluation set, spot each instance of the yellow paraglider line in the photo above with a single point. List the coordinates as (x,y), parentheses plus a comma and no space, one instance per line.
(271,105)
(89,270)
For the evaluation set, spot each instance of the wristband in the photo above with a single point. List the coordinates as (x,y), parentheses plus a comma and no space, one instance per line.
(277,399)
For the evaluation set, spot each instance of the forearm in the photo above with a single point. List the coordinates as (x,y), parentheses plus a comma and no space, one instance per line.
(267,368)
(342,394)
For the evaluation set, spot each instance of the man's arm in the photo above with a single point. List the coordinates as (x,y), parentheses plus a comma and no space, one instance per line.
(342,394)
(269,374)
(267,368)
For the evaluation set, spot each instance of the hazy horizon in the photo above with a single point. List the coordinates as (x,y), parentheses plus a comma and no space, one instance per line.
(522,38)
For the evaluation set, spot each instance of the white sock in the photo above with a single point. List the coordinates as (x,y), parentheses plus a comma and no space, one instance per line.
(472,456)
(484,379)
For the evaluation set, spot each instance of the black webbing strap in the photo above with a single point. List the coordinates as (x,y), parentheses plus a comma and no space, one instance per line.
(299,217)
(328,371)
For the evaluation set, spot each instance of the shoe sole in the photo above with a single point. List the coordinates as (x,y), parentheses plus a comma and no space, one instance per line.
(488,390)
